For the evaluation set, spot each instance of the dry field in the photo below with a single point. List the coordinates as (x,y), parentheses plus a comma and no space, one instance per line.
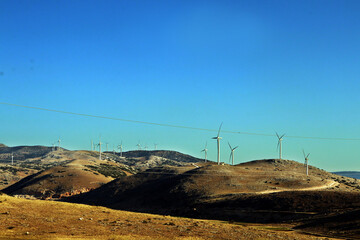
(36,219)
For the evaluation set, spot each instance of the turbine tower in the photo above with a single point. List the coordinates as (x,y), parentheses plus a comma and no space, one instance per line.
(232,153)
(12,158)
(306,162)
(280,138)
(59,141)
(120,147)
(218,144)
(107,146)
(155,145)
(99,147)
(205,150)
(92,145)
(139,146)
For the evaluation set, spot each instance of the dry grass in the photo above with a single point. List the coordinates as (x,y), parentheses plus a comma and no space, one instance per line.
(36,219)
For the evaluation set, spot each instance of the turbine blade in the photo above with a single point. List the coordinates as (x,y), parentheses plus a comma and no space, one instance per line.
(282,135)
(229,145)
(219,129)
(214,138)
(235,147)
(304,153)
(277,135)
(205,144)
(307,155)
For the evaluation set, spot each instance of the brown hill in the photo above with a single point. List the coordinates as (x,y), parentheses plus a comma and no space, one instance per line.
(73,172)
(259,191)
(36,219)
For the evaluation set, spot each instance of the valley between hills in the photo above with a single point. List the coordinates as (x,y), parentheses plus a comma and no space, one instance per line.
(66,194)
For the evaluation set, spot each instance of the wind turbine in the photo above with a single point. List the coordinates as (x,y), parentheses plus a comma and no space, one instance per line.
(12,158)
(280,138)
(306,162)
(59,141)
(218,144)
(99,147)
(107,146)
(121,148)
(92,145)
(155,145)
(53,147)
(232,153)
(205,150)
(139,146)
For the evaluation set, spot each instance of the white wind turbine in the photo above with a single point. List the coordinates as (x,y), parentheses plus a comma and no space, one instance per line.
(59,141)
(12,158)
(138,145)
(92,145)
(120,147)
(306,162)
(218,144)
(155,145)
(107,144)
(99,147)
(232,153)
(205,150)
(280,138)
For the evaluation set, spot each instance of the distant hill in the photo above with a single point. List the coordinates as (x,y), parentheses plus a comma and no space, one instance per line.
(2,145)
(143,160)
(351,174)
(173,155)
(22,152)
(246,192)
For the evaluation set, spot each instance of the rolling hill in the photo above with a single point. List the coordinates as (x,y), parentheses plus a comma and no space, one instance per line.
(72,172)
(249,191)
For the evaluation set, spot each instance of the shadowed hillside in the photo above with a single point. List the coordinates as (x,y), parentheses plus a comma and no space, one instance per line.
(259,191)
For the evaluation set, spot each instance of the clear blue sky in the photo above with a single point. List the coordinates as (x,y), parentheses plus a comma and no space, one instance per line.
(257,66)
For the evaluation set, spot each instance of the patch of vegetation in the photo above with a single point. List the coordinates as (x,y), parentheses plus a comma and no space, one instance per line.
(108,170)
(9,169)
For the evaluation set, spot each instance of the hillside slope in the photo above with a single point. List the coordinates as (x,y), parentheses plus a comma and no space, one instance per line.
(74,172)
(246,192)
(35,219)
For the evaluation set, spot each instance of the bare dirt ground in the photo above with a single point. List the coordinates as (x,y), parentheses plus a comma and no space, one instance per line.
(36,219)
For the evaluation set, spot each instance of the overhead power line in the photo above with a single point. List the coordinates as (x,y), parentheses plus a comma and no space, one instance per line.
(174,126)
